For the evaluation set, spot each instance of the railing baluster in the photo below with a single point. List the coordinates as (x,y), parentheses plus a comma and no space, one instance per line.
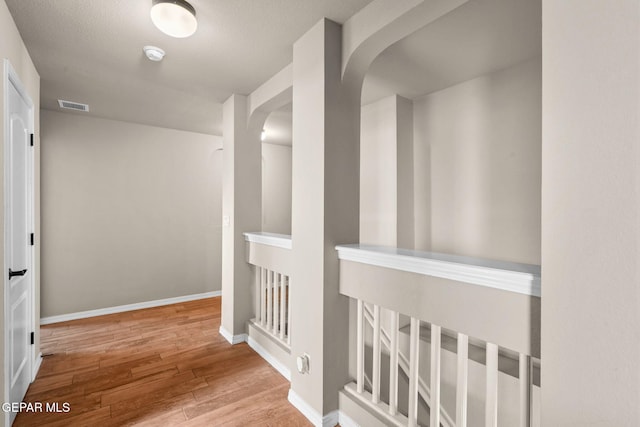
(257,293)
(414,352)
(463,374)
(289,310)
(393,364)
(434,405)
(360,348)
(276,301)
(283,304)
(491,403)
(269,298)
(525,390)
(377,351)
(263,296)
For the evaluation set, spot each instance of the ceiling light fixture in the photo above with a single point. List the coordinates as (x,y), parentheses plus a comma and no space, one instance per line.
(154,54)
(176,18)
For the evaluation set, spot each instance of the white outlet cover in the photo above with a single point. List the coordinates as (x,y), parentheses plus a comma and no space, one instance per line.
(302,363)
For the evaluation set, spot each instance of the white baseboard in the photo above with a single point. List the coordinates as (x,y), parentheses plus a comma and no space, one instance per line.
(233,339)
(127,307)
(36,366)
(279,366)
(329,420)
(302,406)
(346,421)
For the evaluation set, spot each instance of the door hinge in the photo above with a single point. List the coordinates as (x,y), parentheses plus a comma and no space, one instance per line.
(31,140)
(31,239)
(33,338)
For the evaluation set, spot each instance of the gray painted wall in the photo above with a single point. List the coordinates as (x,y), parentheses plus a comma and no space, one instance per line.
(477,166)
(276,188)
(591,213)
(131,213)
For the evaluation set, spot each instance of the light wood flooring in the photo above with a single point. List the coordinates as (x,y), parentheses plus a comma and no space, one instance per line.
(164,366)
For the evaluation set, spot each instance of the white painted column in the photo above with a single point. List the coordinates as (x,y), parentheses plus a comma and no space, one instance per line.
(241,211)
(590,213)
(325,194)
(386,192)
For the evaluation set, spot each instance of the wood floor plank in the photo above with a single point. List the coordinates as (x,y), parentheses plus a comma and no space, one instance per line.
(52,382)
(127,412)
(253,410)
(158,381)
(161,366)
(165,419)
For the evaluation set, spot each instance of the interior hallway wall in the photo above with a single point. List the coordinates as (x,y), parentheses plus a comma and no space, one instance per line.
(477,154)
(591,213)
(276,188)
(131,213)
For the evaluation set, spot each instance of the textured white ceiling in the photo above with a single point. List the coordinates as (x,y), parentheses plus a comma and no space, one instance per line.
(90,51)
(479,37)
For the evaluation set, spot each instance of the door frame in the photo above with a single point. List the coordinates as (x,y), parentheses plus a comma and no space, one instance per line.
(11,78)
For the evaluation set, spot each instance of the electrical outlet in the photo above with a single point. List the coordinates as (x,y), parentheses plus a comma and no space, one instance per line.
(302,363)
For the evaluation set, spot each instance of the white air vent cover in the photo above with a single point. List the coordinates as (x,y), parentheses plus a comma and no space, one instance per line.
(73,105)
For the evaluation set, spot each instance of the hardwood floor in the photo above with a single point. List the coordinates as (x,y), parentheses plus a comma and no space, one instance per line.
(163,366)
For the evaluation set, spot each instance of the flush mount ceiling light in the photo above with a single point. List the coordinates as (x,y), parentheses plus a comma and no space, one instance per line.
(176,18)
(154,54)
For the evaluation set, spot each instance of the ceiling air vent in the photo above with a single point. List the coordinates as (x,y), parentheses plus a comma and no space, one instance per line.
(73,105)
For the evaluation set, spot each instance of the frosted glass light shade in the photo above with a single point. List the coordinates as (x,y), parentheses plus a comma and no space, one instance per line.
(176,18)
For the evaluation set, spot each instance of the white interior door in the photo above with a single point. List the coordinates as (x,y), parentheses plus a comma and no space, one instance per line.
(18,228)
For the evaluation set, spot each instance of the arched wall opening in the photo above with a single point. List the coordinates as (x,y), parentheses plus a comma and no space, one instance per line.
(276,171)
(451,136)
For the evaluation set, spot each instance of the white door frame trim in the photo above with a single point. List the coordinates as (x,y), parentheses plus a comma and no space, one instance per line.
(10,77)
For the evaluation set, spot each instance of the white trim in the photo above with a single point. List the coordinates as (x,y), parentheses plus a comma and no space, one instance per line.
(276,339)
(346,421)
(331,419)
(381,408)
(36,366)
(269,239)
(306,409)
(232,339)
(506,276)
(279,366)
(127,307)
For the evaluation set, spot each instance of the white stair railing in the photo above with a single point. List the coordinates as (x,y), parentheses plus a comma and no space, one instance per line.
(270,254)
(399,359)
(272,304)
(486,306)
(417,387)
